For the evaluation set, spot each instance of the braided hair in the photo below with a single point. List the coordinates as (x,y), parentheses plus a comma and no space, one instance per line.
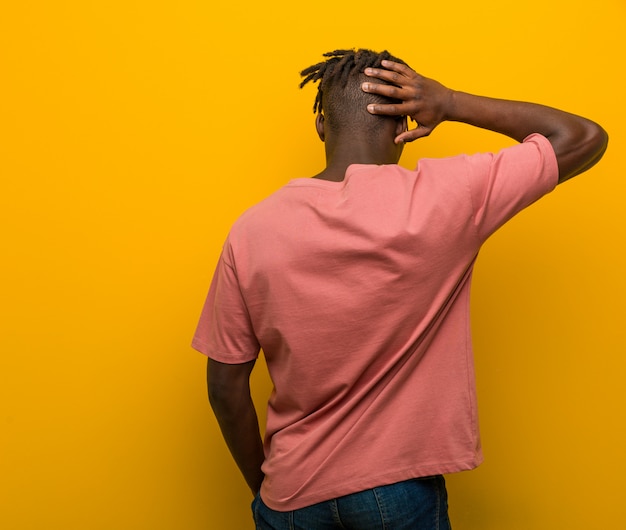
(339,67)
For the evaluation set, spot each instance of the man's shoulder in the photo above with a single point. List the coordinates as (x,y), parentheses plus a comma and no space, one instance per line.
(265,209)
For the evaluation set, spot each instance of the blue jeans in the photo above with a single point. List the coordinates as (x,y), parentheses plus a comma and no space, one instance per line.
(418,504)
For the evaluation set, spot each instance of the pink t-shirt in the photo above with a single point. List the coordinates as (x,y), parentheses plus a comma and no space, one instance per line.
(358,294)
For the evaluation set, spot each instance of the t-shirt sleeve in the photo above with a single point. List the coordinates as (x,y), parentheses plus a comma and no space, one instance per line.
(504,183)
(225,332)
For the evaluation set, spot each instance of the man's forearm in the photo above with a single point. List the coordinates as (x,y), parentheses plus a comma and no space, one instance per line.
(229,395)
(569,134)
(240,429)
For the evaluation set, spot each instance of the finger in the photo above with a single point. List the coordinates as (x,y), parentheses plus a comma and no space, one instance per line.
(390,91)
(403,69)
(390,109)
(391,76)
(409,136)
(391,71)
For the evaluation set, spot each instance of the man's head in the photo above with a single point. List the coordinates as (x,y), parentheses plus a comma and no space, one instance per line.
(341,103)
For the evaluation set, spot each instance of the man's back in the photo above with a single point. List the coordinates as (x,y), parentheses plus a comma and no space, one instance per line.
(358,293)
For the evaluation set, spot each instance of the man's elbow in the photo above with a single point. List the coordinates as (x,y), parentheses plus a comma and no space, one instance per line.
(597,141)
(601,141)
(228,387)
(218,395)
(584,151)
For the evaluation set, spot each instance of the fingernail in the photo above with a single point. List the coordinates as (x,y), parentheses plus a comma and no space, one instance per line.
(365,86)
(371,108)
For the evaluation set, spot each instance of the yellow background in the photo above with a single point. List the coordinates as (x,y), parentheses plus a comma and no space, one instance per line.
(133,133)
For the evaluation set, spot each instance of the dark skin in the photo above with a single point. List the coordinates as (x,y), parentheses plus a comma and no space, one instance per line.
(343,147)
(577,142)
(229,395)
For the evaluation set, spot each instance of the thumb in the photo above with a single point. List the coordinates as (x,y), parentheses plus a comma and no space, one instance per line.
(420,131)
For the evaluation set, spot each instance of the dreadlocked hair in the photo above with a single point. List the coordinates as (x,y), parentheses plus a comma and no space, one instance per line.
(340,65)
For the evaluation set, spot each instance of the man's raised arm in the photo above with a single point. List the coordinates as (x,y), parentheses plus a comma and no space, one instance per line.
(577,142)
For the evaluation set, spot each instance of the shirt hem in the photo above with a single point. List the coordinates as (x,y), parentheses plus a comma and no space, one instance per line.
(337,491)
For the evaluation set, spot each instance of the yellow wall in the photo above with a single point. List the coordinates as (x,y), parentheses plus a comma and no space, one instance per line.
(132,134)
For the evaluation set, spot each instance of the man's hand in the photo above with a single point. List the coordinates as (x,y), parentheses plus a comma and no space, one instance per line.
(424,100)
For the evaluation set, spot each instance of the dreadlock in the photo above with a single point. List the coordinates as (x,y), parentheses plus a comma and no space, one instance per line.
(339,67)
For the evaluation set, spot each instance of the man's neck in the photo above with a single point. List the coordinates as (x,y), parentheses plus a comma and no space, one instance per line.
(338,160)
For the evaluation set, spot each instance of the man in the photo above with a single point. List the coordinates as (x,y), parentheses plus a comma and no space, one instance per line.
(355,283)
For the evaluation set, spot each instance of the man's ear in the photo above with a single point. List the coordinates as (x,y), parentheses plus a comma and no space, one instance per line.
(402,125)
(319,126)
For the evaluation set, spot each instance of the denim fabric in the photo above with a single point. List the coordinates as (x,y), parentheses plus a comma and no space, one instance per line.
(418,504)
